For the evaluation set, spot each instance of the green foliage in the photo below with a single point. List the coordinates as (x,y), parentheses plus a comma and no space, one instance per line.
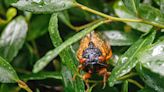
(13,38)
(132,5)
(41,63)
(8,74)
(44,6)
(123,12)
(151,65)
(67,59)
(128,60)
(39,40)
(41,76)
(120,38)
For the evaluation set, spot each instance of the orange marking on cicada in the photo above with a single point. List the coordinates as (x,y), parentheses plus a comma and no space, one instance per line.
(109,55)
(82,60)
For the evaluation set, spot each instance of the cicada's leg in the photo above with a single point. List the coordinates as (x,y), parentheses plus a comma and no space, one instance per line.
(85,78)
(102,58)
(103,72)
(82,60)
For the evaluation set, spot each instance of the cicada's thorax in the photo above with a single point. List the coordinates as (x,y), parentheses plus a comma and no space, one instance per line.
(92,54)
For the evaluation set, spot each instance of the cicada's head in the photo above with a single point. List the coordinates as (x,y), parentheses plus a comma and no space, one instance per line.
(91,54)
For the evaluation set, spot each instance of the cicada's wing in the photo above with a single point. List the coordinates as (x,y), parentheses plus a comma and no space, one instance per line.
(102,44)
(83,45)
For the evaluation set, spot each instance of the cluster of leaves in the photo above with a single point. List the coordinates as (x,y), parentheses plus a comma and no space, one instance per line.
(33,50)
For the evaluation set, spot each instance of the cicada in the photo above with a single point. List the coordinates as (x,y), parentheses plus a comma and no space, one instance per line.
(93,54)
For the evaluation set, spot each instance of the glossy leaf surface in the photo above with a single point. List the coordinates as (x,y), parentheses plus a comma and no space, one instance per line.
(120,38)
(44,6)
(69,68)
(154,15)
(8,74)
(150,66)
(41,76)
(13,38)
(123,12)
(128,60)
(132,5)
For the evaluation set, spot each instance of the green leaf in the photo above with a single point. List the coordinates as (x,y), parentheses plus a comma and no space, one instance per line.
(150,66)
(41,76)
(38,26)
(8,2)
(132,5)
(44,6)
(66,58)
(70,85)
(11,12)
(154,16)
(125,86)
(8,88)
(120,38)
(8,74)
(64,17)
(157,1)
(161,4)
(123,12)
(128,60)
(41,63)
(12,38)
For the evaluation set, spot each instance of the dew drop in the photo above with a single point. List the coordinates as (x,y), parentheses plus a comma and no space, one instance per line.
(124,59)
(158,50)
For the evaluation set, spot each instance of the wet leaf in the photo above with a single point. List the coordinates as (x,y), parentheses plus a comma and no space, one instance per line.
(154,15)
(44,6)
(8,88)
(150,66)
(40,64)
(120,38)
(128,60)
(64,17)
(9,2)
(161,4)
(132,5)
(13,38)
(41,76)
(8,74)
(123,12)
(69,68)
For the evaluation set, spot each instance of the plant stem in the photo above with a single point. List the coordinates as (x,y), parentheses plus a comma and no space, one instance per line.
(135,83)
(127,76)
(118,19)
(24,86)
(78,28)
(35,48)
(105,15)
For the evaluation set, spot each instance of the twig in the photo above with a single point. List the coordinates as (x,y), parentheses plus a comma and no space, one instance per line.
(135,83)
(24,86)
(116,18)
